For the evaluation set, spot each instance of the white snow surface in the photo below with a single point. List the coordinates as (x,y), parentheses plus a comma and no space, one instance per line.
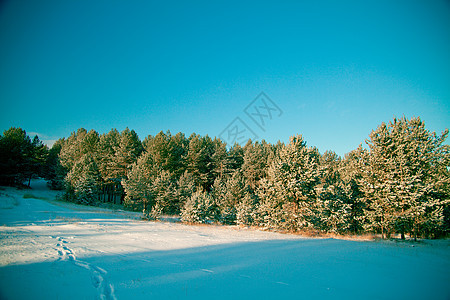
(54,250)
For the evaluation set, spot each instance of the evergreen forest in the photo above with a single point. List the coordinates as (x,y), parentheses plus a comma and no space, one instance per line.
(398,183)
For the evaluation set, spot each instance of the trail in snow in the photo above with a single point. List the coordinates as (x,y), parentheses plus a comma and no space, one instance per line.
(52,250)
(98,275)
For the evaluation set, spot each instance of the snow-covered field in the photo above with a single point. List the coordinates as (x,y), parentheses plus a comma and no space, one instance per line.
(51,250)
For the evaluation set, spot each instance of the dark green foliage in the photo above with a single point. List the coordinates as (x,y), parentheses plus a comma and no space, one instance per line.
(351,175)
(199,160)
(168,152)
(138,194)
(21,157)
(235,158)
(54,172)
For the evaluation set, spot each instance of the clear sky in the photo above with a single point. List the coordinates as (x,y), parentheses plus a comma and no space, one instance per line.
(334,69)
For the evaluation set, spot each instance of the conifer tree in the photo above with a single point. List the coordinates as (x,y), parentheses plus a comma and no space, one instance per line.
(107,147)
(199,160)
(234,193)
(351,173)
(54,172)
(77,145)
(333,207)
(185,187)
(288,196)
(256,161)
(200,208)
(20,157)
(126,153)
(138,184)
(168,152)
(83,180)
(78,157)
(219,158)
(235,158)
(164,193)
(405,178)
(246,209)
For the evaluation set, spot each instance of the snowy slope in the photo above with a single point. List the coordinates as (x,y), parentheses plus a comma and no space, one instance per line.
(51,250)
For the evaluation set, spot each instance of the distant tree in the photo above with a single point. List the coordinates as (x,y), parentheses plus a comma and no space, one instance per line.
(35,159)
(54,172)
(20,157)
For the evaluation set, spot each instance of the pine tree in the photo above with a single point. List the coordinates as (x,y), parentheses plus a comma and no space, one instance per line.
(235,158)
(83,181)
(256,161)
(288,196)
(219,158)
(20,157)
(333,207)
(77,145)
(351,172)
(200,208)
(126,153)
(138,184)
(78,156)
(246,209)
(53,170)
(164,193)
(168,152)
(199,160)
(405,178)
(234,193)
(185,187)
(107,147)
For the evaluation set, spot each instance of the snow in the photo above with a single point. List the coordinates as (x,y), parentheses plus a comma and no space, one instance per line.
(54,250)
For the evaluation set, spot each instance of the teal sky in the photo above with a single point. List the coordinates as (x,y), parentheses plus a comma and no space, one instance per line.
(335,69)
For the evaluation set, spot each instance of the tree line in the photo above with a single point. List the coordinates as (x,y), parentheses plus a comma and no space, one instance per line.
(397,184)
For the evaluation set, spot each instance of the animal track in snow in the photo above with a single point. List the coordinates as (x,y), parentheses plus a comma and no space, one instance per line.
(98,275)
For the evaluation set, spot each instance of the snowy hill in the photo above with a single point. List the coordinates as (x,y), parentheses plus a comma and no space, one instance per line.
(51,250)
